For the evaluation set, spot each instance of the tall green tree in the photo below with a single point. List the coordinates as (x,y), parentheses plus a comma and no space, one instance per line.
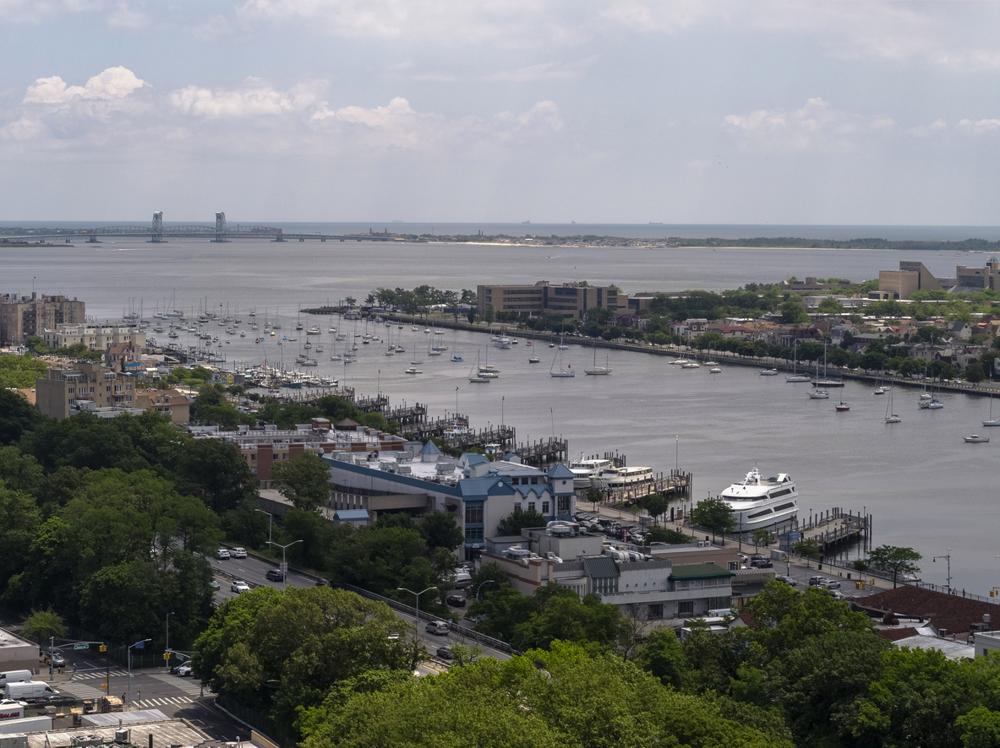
(713,514)
(894,560)
(440,530)
(305,481)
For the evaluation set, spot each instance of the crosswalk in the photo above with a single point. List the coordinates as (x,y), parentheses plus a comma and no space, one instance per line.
(98,674)
(161,701)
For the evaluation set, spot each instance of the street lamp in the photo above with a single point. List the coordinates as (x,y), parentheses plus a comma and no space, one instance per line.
(284,564)
(141,644)
(269,518)
(482,584)
(416,618)
(166,642)
(946,557)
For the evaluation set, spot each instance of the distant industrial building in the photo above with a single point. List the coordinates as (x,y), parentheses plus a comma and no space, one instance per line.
(22,317)
(86,387)
(570,300)
(913,276)
(93,337)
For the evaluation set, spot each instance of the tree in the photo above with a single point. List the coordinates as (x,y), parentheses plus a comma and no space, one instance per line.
(894,560)
(41,625)
(829,305)
(513,523)
(214,471)
(304,480)
(793,311)
(655,504)
(713,514)
(441,530)
(16,416)
(667,535)
(662,655)
(762,536)
(807,548)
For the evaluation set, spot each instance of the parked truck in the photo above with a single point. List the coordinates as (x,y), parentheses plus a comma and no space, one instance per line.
(11,710)
(32,690)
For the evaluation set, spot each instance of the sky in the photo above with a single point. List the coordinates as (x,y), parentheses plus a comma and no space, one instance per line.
(601,111)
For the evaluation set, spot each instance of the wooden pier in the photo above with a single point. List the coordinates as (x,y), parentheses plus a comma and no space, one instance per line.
(832,530)
(675,485)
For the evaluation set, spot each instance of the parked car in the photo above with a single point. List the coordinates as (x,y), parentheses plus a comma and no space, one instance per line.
(275,575)
(238,552)
(835,594)
(438,628)
(455,600)
(183,670)
(832,584)
(445,653)
(239,586)
(214,584)
(761,563)
(222,553)
(57,659)
(817,581)
(786,579)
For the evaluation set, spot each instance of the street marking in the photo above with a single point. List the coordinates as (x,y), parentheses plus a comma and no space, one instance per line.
(162,701)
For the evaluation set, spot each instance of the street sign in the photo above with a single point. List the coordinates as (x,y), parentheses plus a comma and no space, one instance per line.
(81,645)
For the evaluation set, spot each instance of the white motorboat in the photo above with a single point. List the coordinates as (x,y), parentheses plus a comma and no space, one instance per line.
(534,360)
(715,370)
(679,362)
(761,502)
(691,365)
(976,439)
(711,363)
(413,370)
(585,470)
(880,390)
(769,372)
(817,394)
(621,477)
(931,404)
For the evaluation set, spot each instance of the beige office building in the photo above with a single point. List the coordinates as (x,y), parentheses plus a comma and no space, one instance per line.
(93,337)
(24,316)
(569,300)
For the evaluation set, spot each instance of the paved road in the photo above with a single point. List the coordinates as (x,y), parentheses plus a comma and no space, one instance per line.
(252,571)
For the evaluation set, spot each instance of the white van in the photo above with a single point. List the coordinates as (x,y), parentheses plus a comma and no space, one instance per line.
(15,676)
(33,690)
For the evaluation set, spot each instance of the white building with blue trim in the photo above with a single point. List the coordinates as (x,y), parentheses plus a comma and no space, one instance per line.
(477,491)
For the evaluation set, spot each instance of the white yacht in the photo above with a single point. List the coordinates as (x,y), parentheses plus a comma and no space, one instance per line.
(761,502)
(584,470)
(620,477)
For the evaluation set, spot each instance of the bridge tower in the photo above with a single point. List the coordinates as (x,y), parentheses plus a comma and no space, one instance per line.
(220,227)
(157,235)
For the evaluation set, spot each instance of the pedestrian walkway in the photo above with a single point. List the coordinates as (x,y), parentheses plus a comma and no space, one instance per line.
(161,701)
(99,674)
(190,686)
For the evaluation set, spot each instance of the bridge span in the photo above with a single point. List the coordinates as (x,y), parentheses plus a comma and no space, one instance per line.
(158,232)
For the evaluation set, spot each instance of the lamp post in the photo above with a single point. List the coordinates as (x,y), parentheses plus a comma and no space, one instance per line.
(480,586)
(141,644)
(166,640)
(416,618)
(284,564)
(947,558)
(269,518)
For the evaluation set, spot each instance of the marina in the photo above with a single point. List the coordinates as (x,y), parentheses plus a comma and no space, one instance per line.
(918,477)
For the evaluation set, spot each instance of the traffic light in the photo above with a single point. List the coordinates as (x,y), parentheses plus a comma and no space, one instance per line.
(103,648)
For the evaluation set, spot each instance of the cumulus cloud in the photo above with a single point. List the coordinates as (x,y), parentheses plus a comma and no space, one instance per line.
(815,124)
(663,16)
(254,98)
(110,84)
(988,126)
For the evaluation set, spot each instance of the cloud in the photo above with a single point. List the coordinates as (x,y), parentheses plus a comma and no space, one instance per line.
(989,126)
(666,16)
(253,99)
(932,128)
(814,125)
(23,128)
(110,84)
(123,15)
(544,71)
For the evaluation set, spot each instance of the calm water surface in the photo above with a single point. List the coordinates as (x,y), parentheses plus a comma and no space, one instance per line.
(925,487)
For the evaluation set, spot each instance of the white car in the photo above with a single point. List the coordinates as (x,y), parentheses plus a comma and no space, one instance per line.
(222,553)
(183,670)
(239,586)
(238,552)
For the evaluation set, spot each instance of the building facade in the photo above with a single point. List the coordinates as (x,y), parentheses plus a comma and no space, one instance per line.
(93,337)
(22,317)
(86,386)
(570,300)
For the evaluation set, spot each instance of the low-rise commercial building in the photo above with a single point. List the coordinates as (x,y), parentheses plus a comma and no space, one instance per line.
(171,403)
(570,300)
(478,492)
(22,317)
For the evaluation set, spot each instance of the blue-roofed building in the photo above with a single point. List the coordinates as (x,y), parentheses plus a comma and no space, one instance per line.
(480,493)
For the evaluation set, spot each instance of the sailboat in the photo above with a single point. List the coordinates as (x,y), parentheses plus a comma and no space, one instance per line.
(598,371)
(890,416)
(476,376)
(826,381)
(456,357)
(990,420)
(556,370)
(795,376)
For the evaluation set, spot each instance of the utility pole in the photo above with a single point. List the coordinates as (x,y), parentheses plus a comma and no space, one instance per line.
(269,518)
(166,643)
(284,564)
(947,558)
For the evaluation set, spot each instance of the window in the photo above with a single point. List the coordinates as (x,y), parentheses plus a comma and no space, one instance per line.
(563,504)
(545,507)
(654,611)
(531,506)
(685,608)
(473,514)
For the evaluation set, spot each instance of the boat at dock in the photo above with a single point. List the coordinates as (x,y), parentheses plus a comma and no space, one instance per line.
(761,502)
(976,439)
(612,478)
(585,470)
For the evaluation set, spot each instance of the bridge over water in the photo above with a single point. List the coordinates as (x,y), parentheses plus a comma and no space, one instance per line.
(158,232)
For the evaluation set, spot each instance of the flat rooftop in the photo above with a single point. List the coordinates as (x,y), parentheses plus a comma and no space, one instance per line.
(165,732)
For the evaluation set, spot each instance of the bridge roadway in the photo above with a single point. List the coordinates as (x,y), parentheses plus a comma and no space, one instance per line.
(184,232)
